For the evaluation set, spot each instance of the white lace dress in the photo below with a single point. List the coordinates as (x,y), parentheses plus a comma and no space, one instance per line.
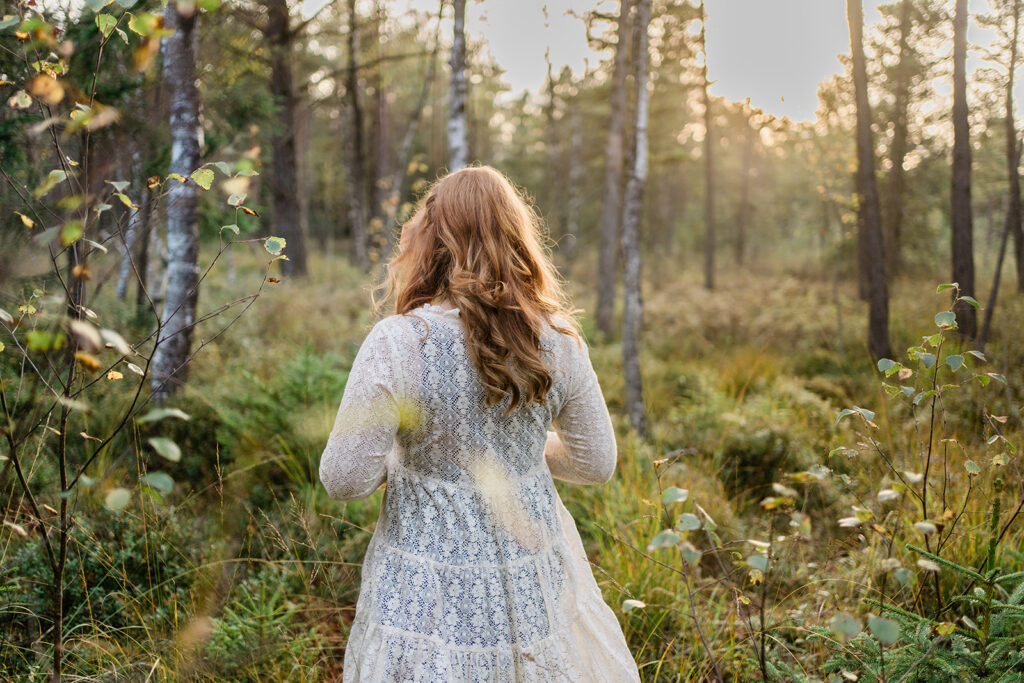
(475,571)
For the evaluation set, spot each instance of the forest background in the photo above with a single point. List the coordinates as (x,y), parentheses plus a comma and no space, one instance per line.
(808,332)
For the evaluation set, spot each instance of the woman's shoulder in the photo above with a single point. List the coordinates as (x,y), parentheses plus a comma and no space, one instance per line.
(562,337)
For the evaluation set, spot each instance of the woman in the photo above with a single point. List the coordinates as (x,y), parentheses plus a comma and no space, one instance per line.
(475,571)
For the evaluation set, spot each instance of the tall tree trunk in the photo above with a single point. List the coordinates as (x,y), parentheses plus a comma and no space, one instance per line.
(1013,204)
(963,228)
(380,170)
(400,179)
(169,364)
(869,212)
(994,294)
(709,161)
(575,203)
(1015,226)
(633,208)
(611,211)
(743,211)
(893,223)
(355,176)
(458,137)
(284,174)
(555,189)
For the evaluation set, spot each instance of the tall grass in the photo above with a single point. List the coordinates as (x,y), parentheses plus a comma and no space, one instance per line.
(246,571)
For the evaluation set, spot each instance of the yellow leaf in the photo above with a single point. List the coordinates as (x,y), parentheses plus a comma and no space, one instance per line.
(88,360)
(26,221)
(46,88)
(114,375)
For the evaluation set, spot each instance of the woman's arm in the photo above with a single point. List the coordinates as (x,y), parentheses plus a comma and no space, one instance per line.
(353,463)
(582,449)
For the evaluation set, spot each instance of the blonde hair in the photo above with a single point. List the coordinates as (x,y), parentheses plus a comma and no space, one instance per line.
(475,242)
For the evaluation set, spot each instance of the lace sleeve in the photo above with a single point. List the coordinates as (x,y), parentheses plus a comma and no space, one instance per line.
(582,450)
(353,463)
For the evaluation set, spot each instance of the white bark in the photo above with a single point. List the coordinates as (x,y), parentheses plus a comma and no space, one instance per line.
(458,141)
(632,210)
(170,369)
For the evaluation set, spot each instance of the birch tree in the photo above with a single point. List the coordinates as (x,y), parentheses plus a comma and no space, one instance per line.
(868,209)
(960,214)
(633,208)
(611,211)
(458,137)
(170,369)
(709,160)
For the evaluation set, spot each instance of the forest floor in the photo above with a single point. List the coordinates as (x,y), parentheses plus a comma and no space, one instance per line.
(248,571)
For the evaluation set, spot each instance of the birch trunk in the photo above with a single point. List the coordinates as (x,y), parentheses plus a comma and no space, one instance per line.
(633,209)
(575,204)
(709,162)
(869,211)
(743,211)
(961,217)
(400,179)
(458,138)
(611,211)
(170,357)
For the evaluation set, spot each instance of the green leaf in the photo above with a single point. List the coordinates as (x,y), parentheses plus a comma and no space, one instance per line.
(223,166)
(274,245)
(97,5)
(979,355)
(942,288)
(886,630)
(233,228)
(690,553)
(997,377)
(971,300)
(927,359)
(236,199)
(203,177)
(972,468)
(665,539)
(674,495)
(758,561)
(70,233)
(9,21)
(687,522)
(118,185)
(145,24)
(955,362)
(160,413)
(945,319)
(106,24)
(165,448)
(158,481)
(117,498)
(885,365)
(55,176)
(845,625)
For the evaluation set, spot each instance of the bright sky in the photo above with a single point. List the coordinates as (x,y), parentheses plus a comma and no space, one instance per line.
(774,51)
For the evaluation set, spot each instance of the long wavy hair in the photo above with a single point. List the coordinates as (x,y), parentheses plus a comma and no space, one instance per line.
(475,242)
